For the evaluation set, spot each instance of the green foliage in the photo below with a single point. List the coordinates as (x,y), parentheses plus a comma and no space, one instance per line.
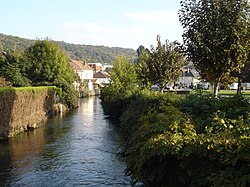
(216,35)
(97,54)
(12,68)
(49,65)
(142,103)
(200,106)
(167,145)
(161,65)
(13,43)
(4,83)
(69,95)
(124,78)
(123,84)
(93,54)
(33,89)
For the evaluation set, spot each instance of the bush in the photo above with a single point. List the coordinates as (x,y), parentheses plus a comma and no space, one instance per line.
(116,96)
(166,145)
(4,83)
(200,106)
(69,95)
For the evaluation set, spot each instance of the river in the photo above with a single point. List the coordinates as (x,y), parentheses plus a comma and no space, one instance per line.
(77,149)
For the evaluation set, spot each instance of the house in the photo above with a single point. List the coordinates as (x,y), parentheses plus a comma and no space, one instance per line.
(85,73)
(107,66)
(96,67)
(102,78)
(189,78)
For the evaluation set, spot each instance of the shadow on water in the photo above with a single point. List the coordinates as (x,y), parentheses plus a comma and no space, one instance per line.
(77,149)
(17,153)
(7,98)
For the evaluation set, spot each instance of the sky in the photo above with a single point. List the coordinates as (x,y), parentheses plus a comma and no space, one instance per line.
(112,23)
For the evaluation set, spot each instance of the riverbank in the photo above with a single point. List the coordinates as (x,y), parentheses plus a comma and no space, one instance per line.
(184,140)
(26,108)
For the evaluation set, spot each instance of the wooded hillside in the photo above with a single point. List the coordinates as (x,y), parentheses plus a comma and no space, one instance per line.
(92,54)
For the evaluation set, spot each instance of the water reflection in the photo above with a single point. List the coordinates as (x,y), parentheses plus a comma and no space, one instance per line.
(78,149)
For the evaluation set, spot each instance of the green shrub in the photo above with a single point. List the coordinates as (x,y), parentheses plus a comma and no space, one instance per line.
(187,140)
(69,96)
(153,153)
(201,106)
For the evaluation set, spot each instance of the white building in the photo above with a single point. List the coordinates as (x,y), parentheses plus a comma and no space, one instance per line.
(85,73)
(105,66)
(102,78)
(189,78)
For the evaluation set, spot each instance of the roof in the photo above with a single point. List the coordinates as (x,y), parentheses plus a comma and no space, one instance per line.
(101,74)
(190,73)
(79,65)
(97,64)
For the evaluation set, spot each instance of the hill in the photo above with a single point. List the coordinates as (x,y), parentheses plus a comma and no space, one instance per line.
(91,53)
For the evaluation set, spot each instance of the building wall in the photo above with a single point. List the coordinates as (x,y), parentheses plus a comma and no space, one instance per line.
(102,80)
(188,81)
(85,74)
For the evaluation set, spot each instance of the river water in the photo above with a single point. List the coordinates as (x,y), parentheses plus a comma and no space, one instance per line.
(77,149)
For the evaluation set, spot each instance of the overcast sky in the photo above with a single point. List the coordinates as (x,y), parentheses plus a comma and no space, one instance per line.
(113,23)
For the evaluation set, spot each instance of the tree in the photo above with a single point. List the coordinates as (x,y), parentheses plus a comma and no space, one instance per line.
(123,76)
(12,68)
(161,65)
(142,66)
(216,36)
(124,84)
(48,64)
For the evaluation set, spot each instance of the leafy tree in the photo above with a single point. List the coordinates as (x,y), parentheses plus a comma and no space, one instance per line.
(142,66)
(124,78)
(48,63)
(123,84)
(13,68)
(216,35)
(161,65)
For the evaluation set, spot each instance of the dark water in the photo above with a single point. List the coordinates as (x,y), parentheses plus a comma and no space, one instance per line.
(77,149)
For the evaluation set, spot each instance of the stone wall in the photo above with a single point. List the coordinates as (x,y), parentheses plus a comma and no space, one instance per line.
(25,108)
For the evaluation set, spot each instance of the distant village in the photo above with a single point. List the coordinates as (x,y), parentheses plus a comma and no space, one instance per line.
(96,75)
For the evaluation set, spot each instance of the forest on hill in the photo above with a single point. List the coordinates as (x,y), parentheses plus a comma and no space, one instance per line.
(91,53)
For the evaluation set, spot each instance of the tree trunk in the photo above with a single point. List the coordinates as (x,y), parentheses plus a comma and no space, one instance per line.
(162,90)
(239,87)
(216,88)
(162,87)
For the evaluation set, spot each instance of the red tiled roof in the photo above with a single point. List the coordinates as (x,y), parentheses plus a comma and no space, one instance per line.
(80,65)
(101,74)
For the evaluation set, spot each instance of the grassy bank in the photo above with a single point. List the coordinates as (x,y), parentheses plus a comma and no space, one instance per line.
(234,92)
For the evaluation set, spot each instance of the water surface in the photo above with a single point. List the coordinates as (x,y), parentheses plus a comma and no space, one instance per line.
(77,149)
